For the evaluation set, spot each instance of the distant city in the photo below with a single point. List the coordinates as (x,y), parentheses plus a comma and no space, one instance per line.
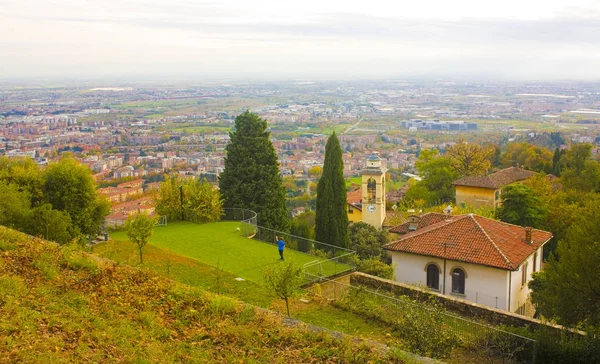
(138,131)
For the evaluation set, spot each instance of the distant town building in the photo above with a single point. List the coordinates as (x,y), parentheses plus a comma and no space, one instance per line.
(436,124)
(481,191)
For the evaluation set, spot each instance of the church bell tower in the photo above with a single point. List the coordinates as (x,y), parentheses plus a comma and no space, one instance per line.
(373,191)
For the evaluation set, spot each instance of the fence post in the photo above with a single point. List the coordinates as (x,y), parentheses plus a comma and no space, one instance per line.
(334,293)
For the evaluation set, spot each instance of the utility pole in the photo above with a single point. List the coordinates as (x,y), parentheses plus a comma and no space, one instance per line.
(181,197)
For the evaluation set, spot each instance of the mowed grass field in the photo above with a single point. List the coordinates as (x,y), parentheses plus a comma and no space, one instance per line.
(221,245)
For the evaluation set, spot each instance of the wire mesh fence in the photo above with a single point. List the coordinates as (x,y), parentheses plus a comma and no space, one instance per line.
(329,259)
(409,319)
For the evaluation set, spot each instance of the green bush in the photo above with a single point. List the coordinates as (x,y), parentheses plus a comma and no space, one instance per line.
(569,348)
(426,333)
(511,348)
(421,326)
(374,267)
(221,306)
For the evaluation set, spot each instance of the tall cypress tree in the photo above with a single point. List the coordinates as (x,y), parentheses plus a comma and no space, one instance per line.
(556,162)
(251,177)
(332,219)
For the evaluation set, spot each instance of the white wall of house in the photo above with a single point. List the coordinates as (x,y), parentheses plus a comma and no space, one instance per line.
(484,285)
(520,291)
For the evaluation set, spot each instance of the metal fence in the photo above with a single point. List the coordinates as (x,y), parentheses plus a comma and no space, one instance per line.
(329,259)
(394,311)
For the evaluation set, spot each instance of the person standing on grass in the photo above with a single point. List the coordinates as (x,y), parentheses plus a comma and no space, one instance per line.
(280,246)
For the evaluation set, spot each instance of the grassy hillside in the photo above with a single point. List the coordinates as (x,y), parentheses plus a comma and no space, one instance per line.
(63,305)
(219,244)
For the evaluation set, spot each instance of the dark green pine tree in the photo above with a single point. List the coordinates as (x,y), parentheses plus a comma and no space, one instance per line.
(332,219)
(556,162)
(251,177)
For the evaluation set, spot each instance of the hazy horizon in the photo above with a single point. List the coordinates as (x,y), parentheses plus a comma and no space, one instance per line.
(327,40)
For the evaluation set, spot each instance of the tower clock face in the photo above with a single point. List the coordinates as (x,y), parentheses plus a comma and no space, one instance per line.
(371,208)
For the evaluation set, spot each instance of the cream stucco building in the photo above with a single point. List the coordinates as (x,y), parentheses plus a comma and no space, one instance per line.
(486,191)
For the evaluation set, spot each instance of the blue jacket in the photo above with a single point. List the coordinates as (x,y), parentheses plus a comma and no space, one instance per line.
(280,244)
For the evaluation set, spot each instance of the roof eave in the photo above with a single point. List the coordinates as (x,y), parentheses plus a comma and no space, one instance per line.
(452,259)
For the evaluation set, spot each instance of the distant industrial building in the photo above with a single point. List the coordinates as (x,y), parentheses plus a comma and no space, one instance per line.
(436,124)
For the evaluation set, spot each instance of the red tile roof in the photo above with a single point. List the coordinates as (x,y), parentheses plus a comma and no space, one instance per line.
(495,180)
(393,218)
(473,239)
(354,198)
(424,220)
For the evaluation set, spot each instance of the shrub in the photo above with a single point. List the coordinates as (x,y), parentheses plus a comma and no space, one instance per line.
(569,348)
(511,348)
(374,267)
(221,306)
(426,333)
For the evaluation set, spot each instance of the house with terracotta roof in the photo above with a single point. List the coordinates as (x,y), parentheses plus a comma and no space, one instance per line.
(472,258)
(121,212)
(354,205)
(481,191)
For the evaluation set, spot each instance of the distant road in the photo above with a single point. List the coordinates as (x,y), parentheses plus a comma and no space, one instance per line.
(352,126)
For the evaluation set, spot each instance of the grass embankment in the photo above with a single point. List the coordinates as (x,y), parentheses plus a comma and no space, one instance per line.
(221,245)
(197,274)
(63,305)
(305,307)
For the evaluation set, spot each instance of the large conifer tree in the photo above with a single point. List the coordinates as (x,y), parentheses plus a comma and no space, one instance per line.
(251,178)
(332,219)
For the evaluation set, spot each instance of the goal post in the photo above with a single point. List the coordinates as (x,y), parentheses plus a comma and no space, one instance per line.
(162,221)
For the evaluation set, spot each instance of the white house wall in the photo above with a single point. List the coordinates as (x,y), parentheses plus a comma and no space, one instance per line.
(484,285)
(519,292)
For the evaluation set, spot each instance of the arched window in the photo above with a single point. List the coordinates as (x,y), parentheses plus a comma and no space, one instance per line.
(371,189)
(458,281)
(433,276)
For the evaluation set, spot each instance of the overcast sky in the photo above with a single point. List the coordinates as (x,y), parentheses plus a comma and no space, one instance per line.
(320,39)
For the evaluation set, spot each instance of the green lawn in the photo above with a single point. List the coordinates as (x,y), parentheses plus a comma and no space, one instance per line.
(221,245)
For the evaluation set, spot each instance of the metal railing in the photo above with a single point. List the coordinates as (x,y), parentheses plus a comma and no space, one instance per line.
(333,260)
(392,311)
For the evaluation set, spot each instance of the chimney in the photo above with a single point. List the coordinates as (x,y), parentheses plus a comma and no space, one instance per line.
(528,235)
(413,222)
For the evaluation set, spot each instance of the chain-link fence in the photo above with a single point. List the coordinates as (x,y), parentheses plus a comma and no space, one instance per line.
(329,259)
(420,323)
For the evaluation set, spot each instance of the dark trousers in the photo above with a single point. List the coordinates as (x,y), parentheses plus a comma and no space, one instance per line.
(281,254)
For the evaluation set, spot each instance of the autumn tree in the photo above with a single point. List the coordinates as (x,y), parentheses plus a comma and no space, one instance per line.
(528,156)
(366,240)
(251,177)
(303,226)
(315,172)
(50,224)
(437,175)
(332,219)
(567,289)
(188,198)
(284,279)
(139,230)
(578,171)
(470,159)
(521,206)
(69,187)
(14,206)
(25,174)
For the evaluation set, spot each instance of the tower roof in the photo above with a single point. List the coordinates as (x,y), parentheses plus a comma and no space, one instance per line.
(373,157)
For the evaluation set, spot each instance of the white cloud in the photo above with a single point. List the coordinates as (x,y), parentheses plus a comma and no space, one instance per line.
(327,39)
